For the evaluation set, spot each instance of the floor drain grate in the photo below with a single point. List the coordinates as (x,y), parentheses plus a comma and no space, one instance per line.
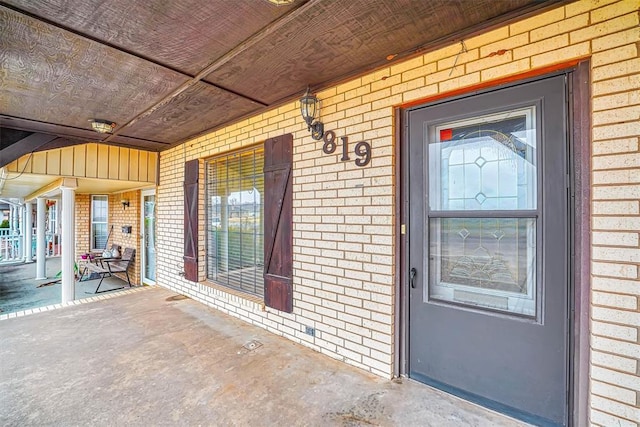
(252,345)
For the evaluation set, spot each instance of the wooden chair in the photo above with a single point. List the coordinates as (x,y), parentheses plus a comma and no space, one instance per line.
(109,266)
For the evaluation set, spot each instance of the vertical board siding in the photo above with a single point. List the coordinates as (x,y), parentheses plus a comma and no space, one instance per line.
(91,161)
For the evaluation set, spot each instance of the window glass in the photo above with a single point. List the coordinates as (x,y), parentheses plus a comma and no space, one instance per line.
(484,262)
(99,215)
(485,163)
(235,225)
(482,170)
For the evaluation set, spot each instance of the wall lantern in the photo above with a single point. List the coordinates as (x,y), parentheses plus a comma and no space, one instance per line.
(102,126)
(309,109)
(125,203)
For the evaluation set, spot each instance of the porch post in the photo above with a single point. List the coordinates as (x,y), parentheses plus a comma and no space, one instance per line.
(41,271)
(28,232)
(68,237)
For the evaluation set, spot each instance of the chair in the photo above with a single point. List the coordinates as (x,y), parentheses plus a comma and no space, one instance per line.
(109,266)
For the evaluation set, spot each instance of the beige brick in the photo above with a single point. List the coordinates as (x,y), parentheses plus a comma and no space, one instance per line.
(487,38)
(617,69)
(617,316)
(605,420)
(614,270)
(620,394)
(614,10)
(616,208)
(419,93)
(615,239)
(564,26)
(459,82)
(605,28)
(537,21)
(618,161)
(511,68)
(614,40)
(583,6)
(617,54)
(488,62)
(616,254)
(561,55)
(621,84)
(618,332)
(618,100)
(422,71)
(436,55)
(550,44)
(406,65)
(506,44)
(627,176)
(615,192)
(620,409)
(629,114)
(462,57)
(612,361)
(621,348)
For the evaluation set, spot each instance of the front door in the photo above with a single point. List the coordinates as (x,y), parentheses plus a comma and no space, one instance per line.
(148,237)
(488,248)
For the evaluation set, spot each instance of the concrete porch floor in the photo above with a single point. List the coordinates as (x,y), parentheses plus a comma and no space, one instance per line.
(149,359)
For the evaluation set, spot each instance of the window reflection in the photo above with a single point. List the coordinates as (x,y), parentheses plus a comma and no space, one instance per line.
(488,163)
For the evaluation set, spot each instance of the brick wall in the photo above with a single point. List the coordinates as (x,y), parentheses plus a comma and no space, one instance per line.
(83,224)
(343,215)
(118,217)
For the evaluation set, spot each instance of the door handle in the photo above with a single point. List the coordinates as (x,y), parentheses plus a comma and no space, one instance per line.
(412,275)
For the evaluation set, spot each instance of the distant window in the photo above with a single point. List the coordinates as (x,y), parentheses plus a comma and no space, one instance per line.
(99,216)
(235,224)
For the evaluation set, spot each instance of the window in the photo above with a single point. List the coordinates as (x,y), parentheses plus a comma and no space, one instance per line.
(99,215)
(235,220)
(483,208)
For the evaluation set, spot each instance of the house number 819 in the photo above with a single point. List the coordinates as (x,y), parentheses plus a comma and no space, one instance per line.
(362,149)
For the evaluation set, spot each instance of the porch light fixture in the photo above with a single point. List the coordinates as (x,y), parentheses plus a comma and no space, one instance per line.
(125,203)
(309,109)
(281,2)
(102,126)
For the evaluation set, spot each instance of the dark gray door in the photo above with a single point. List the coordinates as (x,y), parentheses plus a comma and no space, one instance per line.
(488,248)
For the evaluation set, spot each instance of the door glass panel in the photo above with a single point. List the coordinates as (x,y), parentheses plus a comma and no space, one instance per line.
(484,262)
(150,237)
(484,163)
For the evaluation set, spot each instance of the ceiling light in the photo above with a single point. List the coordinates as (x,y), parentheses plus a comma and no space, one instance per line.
(281,2)
(102,126)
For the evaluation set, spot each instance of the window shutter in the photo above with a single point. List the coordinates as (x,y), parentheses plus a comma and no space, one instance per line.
(191,174)
(278,223)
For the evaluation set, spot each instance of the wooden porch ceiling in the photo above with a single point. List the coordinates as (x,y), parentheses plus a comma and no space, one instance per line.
(170,70)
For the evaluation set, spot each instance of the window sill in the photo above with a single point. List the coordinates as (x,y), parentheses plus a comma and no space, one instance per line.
(236,295)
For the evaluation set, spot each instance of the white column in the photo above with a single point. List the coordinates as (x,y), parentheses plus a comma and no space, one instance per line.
(28,231)
(41,271)
(68,237)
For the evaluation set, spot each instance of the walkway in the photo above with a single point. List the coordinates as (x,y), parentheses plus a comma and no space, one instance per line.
(150,357)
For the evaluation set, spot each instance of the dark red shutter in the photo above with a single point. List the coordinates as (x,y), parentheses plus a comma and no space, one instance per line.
(278,223)
(191,220)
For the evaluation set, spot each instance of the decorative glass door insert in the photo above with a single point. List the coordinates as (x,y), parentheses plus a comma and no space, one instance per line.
(483,212)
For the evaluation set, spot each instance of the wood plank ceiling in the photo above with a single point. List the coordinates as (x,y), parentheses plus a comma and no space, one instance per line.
(166,71)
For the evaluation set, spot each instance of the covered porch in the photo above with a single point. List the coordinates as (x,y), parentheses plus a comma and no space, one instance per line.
(152,357)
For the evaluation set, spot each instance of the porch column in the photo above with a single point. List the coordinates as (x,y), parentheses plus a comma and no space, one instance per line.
(41,271)
(28,231)
(68,237)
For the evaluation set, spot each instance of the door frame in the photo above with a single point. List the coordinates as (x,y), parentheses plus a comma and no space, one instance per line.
(579,158)
(143,257)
